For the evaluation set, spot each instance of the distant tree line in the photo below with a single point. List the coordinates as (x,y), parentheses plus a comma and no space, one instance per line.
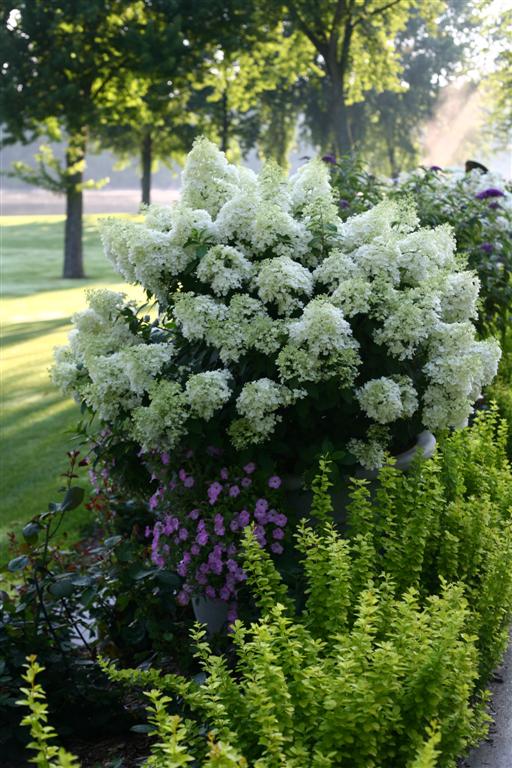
(144,77)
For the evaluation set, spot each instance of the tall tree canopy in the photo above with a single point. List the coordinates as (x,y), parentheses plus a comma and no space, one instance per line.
(65,66)
(355,45)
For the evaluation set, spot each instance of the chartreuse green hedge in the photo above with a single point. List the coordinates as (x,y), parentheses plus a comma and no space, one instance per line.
(385,664)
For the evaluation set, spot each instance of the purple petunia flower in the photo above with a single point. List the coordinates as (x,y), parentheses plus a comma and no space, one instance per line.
(261,516)
(244,518)
(189,481)
(210,592)
(276,548)
(147,532)
(202,538)
(183,534)
(171,524)
(250,468)
(329,159)
(280,519)
(224,474)
(487,247)
(194,549)
(490,192)
(234,491)
(225,594)
(261,505)
(214,492)
(278,533)
(246,482)
(344,204)
(165,458)
(218,524)
(193,514)
(274,482)
(182,597)
(232,613)
(233,526)
(153,502)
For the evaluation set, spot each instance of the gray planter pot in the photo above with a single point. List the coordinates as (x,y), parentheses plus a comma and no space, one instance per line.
(213,613)
(300,499)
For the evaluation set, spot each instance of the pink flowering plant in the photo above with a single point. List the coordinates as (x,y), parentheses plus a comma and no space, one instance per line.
(201,512)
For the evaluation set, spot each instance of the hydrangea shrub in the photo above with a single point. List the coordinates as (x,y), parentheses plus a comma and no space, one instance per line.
(476,203)
(278,324)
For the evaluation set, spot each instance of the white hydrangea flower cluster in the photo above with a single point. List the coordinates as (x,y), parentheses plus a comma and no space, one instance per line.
(270,305)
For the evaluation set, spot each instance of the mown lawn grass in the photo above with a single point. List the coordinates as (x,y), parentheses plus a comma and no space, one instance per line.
(37,304)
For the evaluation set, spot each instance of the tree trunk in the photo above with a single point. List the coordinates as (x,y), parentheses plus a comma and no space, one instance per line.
(337,68)
(146,162)
(340,127)
(73,255)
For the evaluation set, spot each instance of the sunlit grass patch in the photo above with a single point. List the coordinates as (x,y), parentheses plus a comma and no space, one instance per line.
(36,421)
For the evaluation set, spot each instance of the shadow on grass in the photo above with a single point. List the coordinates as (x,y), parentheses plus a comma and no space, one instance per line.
(33,255)
(20,332)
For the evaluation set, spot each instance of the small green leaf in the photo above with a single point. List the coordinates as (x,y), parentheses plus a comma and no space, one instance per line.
(18,563)
(30,531)
(73,498)
(61,588)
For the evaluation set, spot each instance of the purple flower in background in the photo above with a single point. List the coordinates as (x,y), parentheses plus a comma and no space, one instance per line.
(262,516)
(193,514)
(182,598)
(490,192)
(344,204)
(250,468)
(214,492)
(274,482)
(218,524)
(202,538)
(165,458)
(329,159)
(189,481)
(232,613)
(194,549)
(435,168)
(182,475)
(210,592)
(147,532)
(259,535)
(172,485)
(276,548)
(233,526)
(261,505)
(153,502)
(171,524)
(246,482)
(225,594)
(487,247)
(280,519)
(182,568)
(183,534)
(244,518)
(278,533)
(231,550)
(234,491)
(224,473)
